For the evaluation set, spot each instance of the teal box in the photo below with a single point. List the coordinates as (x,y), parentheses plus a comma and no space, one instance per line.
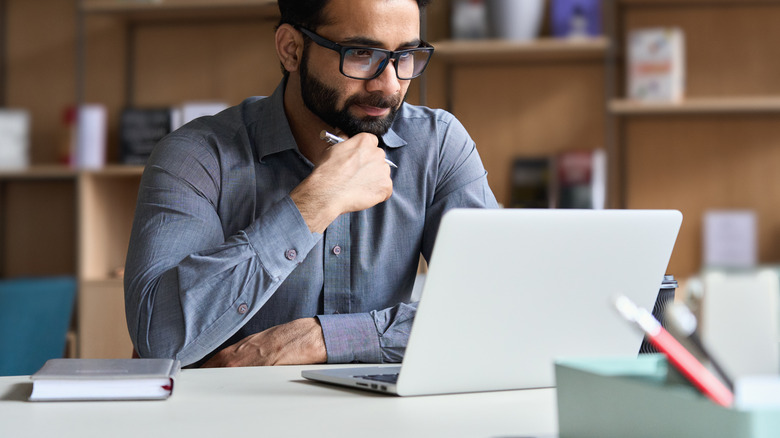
(638,397)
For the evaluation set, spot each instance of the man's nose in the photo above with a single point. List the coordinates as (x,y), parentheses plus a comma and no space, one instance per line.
(387,82)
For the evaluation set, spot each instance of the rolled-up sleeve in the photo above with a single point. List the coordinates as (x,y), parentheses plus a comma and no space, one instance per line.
(376,337)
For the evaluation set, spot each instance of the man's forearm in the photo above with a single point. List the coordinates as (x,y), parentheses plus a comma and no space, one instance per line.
(298,342)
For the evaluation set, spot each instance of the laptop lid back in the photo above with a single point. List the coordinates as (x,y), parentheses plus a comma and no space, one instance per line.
(510,290)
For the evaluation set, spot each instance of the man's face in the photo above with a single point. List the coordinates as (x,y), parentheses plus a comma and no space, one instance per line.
(322,100)
(353,105)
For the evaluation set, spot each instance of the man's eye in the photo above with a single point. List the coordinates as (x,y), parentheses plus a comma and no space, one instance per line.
(361,53)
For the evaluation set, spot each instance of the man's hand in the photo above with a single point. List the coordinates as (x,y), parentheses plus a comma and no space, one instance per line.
(297,342)
(351,176)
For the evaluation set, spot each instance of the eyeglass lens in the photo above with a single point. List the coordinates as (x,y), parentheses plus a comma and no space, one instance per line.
(366,62)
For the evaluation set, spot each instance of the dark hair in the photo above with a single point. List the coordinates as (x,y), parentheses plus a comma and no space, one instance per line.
(308,13)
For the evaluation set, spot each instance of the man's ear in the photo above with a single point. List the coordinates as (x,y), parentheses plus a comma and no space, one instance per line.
(289,47)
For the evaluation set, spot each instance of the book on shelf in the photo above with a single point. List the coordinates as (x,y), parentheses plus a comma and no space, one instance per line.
(86,129)
(104,379)
(14,138)
(576,18)
(67,145)
(656,65)
(580,179)
(531,182)
(139,130)
(569,179)
(730,239)
(189,111)
(468,19)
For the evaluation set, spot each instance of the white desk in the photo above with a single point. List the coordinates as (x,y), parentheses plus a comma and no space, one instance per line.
(277,402)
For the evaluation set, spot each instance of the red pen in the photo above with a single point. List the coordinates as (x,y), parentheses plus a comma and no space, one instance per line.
(681,358)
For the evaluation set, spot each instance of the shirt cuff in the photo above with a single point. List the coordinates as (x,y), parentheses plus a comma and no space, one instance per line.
(281,238)
(350,338)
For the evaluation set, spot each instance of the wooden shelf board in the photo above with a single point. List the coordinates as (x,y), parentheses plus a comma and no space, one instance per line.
(700,105)
(55,171)
(102,282)
(116,170)
(182,9)
(472,51)
(39,172)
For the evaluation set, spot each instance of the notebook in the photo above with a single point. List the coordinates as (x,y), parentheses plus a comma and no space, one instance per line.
(104,379)
(510,290)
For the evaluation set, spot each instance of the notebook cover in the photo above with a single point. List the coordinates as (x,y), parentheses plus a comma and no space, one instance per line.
(104,379)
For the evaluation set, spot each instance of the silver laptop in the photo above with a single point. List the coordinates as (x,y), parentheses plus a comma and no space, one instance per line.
(509,291)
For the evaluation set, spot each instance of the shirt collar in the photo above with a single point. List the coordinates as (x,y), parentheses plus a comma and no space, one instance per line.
(273,133)
(272,130)
(391,139)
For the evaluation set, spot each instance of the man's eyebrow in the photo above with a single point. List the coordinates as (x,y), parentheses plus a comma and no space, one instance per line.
(368,42)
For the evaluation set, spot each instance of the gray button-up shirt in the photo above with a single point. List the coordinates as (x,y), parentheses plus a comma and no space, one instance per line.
(219,251)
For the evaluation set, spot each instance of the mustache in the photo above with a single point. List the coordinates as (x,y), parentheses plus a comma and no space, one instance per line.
(375,100)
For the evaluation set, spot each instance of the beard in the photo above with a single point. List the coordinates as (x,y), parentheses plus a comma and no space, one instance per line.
(321,100)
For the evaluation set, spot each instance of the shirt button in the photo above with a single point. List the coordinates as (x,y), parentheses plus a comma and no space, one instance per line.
(337,250)
(243,308)
(291,254)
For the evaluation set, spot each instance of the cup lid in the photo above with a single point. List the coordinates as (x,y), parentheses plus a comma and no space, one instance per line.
(669,282)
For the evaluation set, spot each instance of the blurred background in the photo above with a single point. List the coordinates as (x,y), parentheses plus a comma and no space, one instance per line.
(572,104)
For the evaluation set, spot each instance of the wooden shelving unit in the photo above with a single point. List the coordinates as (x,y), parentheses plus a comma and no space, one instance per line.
(714,149)
(509,94)
(708,151)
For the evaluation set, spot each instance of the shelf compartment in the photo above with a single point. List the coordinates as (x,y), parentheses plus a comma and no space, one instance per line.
(37,223)
(491,50)
(107,201)
(699,105)
(102,332)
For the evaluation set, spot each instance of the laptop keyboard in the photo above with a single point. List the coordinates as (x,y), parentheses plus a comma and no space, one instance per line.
(386,378)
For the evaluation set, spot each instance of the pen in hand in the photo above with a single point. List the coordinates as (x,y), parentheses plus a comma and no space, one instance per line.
(333,139)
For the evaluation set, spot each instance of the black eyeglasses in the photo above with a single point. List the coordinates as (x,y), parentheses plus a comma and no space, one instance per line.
(367,62)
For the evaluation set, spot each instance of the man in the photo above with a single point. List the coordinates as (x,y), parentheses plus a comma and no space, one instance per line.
(257,243)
